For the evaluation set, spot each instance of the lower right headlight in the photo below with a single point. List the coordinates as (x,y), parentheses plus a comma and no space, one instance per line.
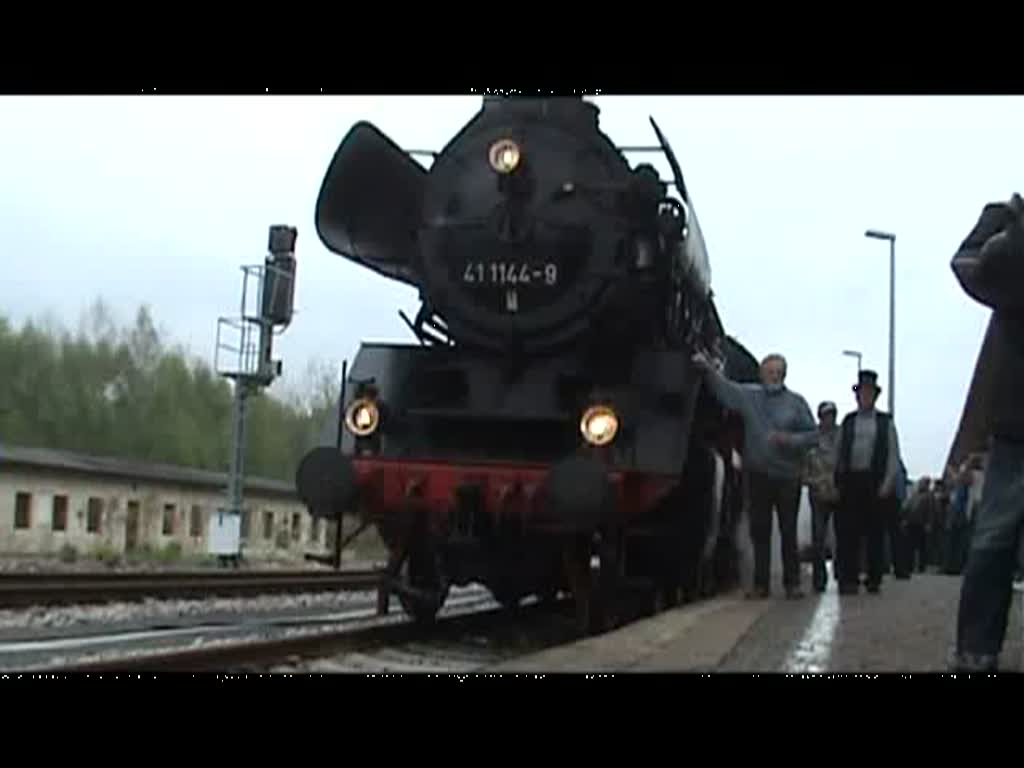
(599,424)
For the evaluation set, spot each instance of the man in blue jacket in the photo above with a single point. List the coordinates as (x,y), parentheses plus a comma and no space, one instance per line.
(990,267)
(778,431)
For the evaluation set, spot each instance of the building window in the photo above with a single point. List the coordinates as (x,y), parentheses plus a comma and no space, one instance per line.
(22,511)
(245,524)
(94,515)
(268,525)
(195,523)
(296,526)
(59,519)
(314,531)
(168,527)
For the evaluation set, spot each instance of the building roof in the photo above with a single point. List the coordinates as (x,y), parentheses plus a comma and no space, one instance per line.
(973,431)
(130,469)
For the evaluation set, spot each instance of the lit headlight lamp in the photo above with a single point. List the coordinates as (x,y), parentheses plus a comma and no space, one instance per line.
(362,417)
(504,156)
(599,425)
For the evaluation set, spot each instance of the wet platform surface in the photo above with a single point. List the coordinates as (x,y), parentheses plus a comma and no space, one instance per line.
(909,627)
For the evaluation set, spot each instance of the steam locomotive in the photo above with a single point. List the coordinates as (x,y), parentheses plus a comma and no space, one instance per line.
(546,432)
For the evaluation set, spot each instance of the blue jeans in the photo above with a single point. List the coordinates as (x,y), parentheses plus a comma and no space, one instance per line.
(986,592)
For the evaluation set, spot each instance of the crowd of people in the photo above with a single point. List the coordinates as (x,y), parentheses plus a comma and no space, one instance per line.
(969,521)
(927,524)
(853,470)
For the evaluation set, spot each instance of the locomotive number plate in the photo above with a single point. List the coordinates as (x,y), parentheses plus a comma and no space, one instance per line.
(510,273)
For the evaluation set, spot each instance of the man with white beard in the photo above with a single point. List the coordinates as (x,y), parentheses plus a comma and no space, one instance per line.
(778,430)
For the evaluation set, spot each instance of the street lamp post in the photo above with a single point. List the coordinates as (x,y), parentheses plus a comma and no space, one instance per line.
(877,235)
(854,353)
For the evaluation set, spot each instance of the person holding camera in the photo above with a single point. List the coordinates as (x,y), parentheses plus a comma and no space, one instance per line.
(989,266)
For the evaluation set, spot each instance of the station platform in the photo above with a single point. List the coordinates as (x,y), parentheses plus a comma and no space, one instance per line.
(909,627)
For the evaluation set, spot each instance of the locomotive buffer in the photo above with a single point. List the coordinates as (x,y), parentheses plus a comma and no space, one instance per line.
(249,364)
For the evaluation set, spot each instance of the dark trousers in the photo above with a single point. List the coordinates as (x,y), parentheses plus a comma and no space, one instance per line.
(937,544)
(986,592)
(955,554)
(822,512)
(899,545)
(781,494)
(861,518)
(917,546)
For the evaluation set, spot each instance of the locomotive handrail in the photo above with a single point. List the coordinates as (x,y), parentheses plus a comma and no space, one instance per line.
(651,150)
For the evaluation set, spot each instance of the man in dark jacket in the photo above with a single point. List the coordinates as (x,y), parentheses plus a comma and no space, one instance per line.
(867,471)
(917,521)
(958,523)
(990,267)
(937,537)
(899,544)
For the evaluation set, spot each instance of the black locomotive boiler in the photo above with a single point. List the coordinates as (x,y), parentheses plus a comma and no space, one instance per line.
(546,430)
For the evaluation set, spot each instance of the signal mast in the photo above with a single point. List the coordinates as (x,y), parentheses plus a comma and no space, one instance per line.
(251,368)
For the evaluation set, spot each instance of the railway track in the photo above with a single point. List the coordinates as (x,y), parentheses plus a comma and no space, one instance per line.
(471,632)
(38,589)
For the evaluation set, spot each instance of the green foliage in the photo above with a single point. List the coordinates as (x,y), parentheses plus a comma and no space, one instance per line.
(107,555)
(170,552)
(126,392)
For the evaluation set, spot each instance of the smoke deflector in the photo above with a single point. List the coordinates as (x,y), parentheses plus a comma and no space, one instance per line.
(369,204)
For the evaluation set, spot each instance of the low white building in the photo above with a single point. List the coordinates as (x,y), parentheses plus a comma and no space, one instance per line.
(52,501)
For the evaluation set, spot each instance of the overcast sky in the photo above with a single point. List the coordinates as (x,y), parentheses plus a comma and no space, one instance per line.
(158,200)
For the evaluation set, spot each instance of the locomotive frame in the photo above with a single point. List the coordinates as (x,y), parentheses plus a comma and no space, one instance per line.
(535,444)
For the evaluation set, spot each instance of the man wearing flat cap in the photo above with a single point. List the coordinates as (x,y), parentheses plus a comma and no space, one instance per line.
(867,470)
(822,491)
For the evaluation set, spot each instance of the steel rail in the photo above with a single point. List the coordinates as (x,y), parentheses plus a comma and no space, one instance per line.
(21,590)
(261,655)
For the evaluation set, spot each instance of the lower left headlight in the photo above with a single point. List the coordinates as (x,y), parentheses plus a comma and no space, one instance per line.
(362,417)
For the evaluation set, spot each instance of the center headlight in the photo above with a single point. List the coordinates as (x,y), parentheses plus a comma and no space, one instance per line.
(599,425)
(362,417)
(504,156)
